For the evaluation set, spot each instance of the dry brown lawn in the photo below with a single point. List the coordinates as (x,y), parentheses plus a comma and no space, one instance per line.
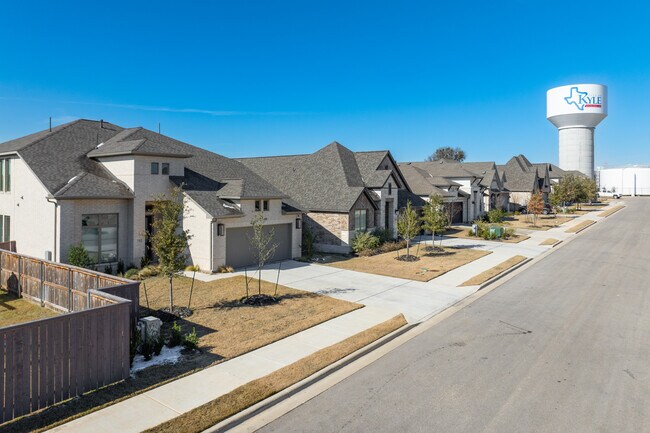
(493,272)
(544,222)
(217,410)
(550,241)
(608,212)
(15,310)
(580,226)
(430,265)
(228,328)
(463,232)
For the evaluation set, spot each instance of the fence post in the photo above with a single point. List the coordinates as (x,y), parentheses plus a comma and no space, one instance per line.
(1,258)
(70,290)
(20,286)
(88,299)
(41,287)
(97,282)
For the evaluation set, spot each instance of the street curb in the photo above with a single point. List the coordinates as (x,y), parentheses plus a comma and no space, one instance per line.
(504,273)
(260,408)
(297,387)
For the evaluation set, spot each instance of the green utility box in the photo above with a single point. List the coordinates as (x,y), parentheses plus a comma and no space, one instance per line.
(496,231)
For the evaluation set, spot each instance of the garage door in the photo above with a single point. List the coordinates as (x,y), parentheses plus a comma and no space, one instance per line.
(455,212)
(238,249)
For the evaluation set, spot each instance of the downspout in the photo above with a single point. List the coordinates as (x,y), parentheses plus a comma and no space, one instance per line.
(55,227)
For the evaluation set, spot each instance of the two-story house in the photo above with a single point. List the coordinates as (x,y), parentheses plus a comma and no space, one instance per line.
(93,183)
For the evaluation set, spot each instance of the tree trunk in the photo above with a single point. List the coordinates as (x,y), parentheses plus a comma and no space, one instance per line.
(171,293)
(408,244)
(259,280)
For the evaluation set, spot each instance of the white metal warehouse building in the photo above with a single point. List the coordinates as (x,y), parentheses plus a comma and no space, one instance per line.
(629,180)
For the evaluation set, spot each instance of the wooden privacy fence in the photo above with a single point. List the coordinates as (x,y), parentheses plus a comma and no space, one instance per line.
(62,287)
(47,361)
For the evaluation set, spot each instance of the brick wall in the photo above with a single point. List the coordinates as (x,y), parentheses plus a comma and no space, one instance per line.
(326,226)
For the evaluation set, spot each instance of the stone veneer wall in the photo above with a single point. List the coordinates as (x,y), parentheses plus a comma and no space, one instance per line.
(327,227)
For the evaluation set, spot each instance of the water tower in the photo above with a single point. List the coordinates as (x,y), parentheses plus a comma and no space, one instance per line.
(575,110)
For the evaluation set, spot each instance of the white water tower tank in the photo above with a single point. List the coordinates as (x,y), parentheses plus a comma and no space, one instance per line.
(575,110)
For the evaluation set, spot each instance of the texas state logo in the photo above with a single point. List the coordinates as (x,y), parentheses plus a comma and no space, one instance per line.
(583,100)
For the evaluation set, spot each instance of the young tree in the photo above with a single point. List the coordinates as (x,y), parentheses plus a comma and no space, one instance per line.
(168,240)
(536,206)
(408,226)
(262,245)
(456,154)
(78,256)
(434,217)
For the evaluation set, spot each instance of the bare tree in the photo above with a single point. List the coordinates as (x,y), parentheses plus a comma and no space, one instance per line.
(262,245)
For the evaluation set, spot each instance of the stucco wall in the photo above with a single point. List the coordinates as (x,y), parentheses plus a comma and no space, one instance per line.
(32,216)
(199,223)
(273,216)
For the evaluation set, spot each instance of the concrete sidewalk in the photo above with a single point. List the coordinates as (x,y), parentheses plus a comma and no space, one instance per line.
(175,398)
(384,298)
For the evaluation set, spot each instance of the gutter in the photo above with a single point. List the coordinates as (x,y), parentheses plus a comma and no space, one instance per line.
(55,203)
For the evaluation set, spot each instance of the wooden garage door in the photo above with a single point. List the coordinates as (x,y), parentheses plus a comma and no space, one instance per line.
(238,249)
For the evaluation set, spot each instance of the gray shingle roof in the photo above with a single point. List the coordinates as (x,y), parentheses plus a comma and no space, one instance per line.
(329,179)
(58,156)
(519,174)
(139,141)
(67,152)
(423,183)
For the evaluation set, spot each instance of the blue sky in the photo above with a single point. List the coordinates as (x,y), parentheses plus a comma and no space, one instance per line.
(248,78)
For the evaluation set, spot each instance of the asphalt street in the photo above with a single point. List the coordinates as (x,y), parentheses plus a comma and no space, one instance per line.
(564,346)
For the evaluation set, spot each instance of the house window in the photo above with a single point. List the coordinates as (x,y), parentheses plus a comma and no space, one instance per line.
(360,220)
(5,174)
(258,205)
(99,236)
(5,228)
(165,168)
(266,205)
(154,168)
(390,188)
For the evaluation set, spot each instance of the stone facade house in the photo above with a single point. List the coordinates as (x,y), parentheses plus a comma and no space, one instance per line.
(342,192)
(523,179)
(93,183)
(468,189)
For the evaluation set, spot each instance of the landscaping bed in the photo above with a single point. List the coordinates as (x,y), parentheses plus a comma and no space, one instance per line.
(580,226)
(463,232)
(226,328)
(430,264)
(14,310)
(493,272)
(209,414)
(544,222)
(608,212)
(550,241)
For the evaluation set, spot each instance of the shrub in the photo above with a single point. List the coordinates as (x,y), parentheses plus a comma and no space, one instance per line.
(147,349)
(108,269)
(508,233)
(383,234)
(144,262)
(158,345)
(308,241)
(176,336)
(120,267)
(78,256)
(496,216)
(149,271)
(191,340)
(133,272)
(225,269)
(364,241)
(133,347)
